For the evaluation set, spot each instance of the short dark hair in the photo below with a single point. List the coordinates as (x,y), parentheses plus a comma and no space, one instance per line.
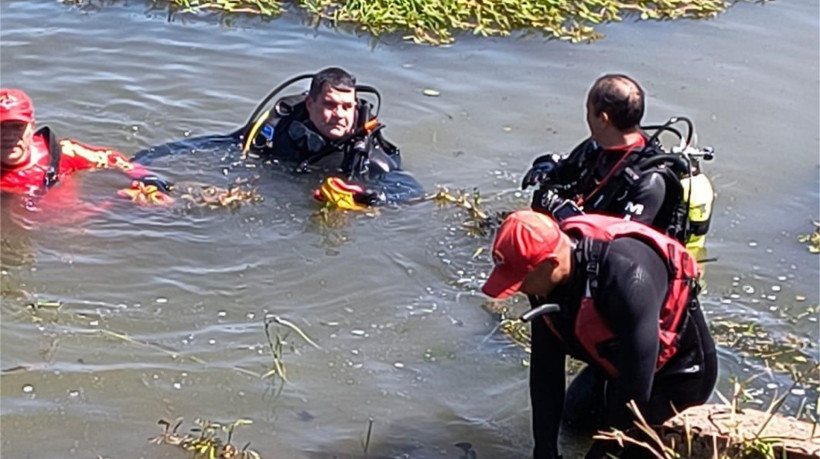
(620,97)
(335,77)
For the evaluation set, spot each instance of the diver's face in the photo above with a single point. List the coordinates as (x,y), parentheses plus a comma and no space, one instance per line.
(333,112)
(15,139)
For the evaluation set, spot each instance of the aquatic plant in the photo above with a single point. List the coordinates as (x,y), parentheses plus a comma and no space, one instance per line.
(812,240)
(203,195)
(509,324)
(368,435)
(276,343)
(436,21)
(751,340)
(204,441)
(478,222)
(193,194)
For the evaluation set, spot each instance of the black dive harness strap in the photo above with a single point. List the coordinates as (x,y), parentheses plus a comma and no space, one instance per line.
(590,255)
(623,175)
(592,252)
(55,153)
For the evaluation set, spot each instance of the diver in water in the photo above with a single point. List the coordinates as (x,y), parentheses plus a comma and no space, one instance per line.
(33,161)
(332,127)
(620,170)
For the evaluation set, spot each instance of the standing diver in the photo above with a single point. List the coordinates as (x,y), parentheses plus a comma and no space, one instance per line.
(622,171)
(622,298)
(331,126)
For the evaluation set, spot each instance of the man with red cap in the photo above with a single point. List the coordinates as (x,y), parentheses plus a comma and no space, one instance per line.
(626,300)
(34,161)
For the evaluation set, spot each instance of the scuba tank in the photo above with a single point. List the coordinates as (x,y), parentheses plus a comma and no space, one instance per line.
(698,192)
(699,195)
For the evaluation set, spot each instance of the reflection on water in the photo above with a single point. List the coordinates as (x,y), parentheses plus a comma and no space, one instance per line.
(161,310)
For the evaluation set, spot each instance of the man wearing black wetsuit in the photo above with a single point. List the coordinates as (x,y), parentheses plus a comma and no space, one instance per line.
(635,321)
(321,122)
(331,127)
(593,176)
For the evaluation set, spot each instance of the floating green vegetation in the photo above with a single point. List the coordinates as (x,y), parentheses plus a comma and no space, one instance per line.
(204,441)
(784,354)
(516,330)
(812,240)
(478,221)
(436,21)
(196,194)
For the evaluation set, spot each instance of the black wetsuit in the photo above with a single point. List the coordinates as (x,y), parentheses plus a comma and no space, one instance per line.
(366,158)
(651,198)
(633,283)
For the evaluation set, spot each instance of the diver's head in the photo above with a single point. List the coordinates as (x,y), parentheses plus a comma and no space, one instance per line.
(331,102)
(615,107)
(531,255)
(16,127)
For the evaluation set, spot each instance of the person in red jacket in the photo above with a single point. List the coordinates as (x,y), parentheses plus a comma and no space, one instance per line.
(32,161)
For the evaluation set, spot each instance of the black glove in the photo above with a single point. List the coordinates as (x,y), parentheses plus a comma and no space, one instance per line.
(370,197)
(540,172)
(544,200)
(162,185)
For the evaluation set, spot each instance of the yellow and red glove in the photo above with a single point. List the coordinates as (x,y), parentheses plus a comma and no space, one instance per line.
(339,194)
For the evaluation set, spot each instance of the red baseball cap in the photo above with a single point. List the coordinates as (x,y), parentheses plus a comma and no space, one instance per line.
(15,105)
(525,239)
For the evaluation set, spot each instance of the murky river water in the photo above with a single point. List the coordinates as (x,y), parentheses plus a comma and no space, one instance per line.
(391,299)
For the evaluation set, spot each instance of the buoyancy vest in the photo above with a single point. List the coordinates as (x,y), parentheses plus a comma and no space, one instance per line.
(365,153)
(590,329)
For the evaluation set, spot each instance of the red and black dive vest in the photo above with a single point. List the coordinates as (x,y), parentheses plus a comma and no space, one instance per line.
(590,329)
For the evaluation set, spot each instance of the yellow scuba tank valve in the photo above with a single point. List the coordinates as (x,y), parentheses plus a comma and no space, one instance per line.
(255,130)
(700,196)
